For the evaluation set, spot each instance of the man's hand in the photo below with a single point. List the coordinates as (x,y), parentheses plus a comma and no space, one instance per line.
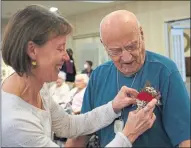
(125,97)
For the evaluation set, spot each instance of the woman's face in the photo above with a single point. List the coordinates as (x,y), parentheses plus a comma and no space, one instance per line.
(50,57)
(59,82)
(79,83)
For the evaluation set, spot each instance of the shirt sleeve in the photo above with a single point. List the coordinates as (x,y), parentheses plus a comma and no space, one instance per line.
(120,140)
(176,109)
(26,133)
(71,126)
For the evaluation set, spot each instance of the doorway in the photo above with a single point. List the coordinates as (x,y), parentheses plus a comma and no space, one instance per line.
(178,46)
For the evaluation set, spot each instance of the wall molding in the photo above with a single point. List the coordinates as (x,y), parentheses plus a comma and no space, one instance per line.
(82,36)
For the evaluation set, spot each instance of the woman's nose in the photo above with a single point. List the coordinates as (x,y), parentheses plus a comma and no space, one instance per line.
(66,57)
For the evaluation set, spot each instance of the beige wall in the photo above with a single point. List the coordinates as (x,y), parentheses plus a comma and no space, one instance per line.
(151,14)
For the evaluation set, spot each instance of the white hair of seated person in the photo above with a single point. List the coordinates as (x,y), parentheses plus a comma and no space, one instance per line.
(62,75)
(82,76)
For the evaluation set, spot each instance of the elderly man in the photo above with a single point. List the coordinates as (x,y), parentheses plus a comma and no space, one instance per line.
(133,66)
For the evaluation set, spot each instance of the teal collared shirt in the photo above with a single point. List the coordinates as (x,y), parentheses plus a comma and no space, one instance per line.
(172,125)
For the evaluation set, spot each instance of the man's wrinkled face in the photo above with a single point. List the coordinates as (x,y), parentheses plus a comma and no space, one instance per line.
(127,52)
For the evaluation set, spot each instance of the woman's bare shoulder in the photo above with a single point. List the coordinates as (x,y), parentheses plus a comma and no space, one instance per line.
(12,85)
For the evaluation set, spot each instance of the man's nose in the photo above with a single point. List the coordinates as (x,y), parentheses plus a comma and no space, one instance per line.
(126,56)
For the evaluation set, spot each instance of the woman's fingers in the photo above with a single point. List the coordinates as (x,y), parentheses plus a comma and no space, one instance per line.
(158,96)
(130,91)
(152,120)
(150,106)
(134,112)
(130,100)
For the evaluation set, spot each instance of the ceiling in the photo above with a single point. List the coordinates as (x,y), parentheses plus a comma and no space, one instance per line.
(66,8)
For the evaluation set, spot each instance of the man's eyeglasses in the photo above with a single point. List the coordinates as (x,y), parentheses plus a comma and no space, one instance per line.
(130,48)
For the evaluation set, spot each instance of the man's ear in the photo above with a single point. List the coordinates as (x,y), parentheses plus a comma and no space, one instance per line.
(142,34)
(101,41)
(31,50)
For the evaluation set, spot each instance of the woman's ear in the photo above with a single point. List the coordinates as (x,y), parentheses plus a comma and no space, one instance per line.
(31,50)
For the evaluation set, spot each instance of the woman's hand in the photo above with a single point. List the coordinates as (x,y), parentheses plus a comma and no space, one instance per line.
(139,121)
(125,97)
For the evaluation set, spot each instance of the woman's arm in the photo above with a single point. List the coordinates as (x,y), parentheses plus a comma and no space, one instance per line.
(120,140)
(137,123)
(65,125)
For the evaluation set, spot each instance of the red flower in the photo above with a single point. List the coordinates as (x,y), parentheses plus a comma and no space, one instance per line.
(145,96)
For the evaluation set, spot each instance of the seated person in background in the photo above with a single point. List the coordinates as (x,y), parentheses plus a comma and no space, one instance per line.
(60,89)
(77,93)
(88,68)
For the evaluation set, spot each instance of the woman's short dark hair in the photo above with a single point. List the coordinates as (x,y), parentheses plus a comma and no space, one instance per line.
(34,23)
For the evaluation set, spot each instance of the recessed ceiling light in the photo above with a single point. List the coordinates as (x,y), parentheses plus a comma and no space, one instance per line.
(98,1)
(53,9)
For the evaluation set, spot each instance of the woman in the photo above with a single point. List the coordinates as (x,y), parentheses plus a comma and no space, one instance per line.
(59,89)
(34,46)
(77,93)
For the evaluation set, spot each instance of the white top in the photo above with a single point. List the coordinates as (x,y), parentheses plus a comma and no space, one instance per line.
(24,125)
(59,93)
(77,99)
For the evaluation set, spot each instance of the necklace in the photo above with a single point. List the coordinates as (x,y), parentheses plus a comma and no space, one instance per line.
(119,124)
(118,80)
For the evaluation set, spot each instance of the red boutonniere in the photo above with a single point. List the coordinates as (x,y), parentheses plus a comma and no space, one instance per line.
(146,95)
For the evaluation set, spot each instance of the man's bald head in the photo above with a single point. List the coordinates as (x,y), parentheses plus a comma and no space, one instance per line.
(123,39)
(118,21)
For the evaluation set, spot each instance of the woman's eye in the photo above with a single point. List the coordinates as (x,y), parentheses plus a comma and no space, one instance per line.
(59,50)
